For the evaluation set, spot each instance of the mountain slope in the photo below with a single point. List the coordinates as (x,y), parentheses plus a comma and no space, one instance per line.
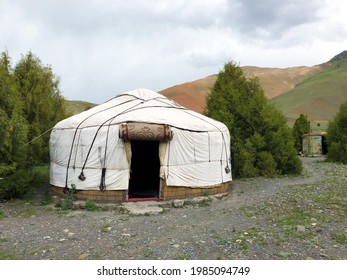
(77,106)
(274,81)
(319,97)
(191,94)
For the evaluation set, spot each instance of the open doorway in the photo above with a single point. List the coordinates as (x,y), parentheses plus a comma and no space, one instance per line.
(145,167)
(324,145)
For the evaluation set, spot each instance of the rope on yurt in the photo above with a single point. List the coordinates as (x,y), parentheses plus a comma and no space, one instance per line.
(227,169)
(73,139)
(131,109)
(82,176)
(168,159)
(102,186)
(32,140)
(209,147)
(78,140)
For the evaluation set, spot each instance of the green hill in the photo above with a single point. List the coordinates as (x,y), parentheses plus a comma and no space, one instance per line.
(77,106)
(319,96)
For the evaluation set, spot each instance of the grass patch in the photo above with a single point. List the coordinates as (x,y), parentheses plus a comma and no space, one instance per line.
(310,95)
(148,253)
(299,205)
(106,228)
(27,212)
(67,203)
(90,205)
(283,255)
(340,238)
(46,198)
(3,239)
(2,215)
(293,217)
(299,212)
(183,257)
(242,239)
(7,256)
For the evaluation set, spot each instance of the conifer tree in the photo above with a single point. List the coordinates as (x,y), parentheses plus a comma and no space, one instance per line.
(43,103)
(261,142)
(337,136)
(301,126)
(13,126)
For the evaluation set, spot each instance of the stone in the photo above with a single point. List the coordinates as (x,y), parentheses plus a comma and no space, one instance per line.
(300,228)
(84,256)
(143,208)
(178,203)
(220,195)
(199,199)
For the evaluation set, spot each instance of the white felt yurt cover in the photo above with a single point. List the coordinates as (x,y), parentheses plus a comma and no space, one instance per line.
(197,156)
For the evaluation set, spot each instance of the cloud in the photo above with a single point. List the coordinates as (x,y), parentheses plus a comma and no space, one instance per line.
(270,19)
(101,47)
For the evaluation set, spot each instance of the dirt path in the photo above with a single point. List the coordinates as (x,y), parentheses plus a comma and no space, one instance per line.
(255,221)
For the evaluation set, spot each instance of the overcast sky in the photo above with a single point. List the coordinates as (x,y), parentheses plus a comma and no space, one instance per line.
(100,48)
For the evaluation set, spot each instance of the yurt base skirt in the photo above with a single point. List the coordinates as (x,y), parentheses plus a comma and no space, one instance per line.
(170,192)
(166,193)
(97,196)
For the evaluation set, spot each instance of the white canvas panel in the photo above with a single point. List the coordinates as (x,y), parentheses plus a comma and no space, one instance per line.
(203,174)
(114,179)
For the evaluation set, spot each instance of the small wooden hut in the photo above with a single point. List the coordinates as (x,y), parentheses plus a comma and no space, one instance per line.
(314,144)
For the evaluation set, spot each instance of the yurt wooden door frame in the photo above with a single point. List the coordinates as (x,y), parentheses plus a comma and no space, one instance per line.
(144,183)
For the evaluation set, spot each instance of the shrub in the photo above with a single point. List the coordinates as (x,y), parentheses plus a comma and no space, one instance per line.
(266,164)
(261,141)
(90,205)
(301,126)
(21,183)
(337,136)
(16,185)
(67,203)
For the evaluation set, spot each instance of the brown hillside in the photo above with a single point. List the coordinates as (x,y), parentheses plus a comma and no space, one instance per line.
(274,81)
(191,94)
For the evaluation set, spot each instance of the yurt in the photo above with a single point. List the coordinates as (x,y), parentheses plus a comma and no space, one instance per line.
(314,144)
(139,145)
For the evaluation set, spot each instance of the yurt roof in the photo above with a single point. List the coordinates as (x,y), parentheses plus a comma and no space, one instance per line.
(141,105)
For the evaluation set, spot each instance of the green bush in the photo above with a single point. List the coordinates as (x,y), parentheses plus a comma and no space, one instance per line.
(67,203)
(7,169)
(17,185)
(301,126)
(21,183)
(337,136)
(2,215)
(46,198)
(90,205)
(266,164)
(262,144)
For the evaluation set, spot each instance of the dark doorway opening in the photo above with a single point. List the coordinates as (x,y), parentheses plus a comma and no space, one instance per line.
(324,145)
(145,167)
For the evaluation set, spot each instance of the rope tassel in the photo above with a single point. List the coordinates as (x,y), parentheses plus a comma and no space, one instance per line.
(102,186)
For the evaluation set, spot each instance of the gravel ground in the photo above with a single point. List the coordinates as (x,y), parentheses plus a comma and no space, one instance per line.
(300,217)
